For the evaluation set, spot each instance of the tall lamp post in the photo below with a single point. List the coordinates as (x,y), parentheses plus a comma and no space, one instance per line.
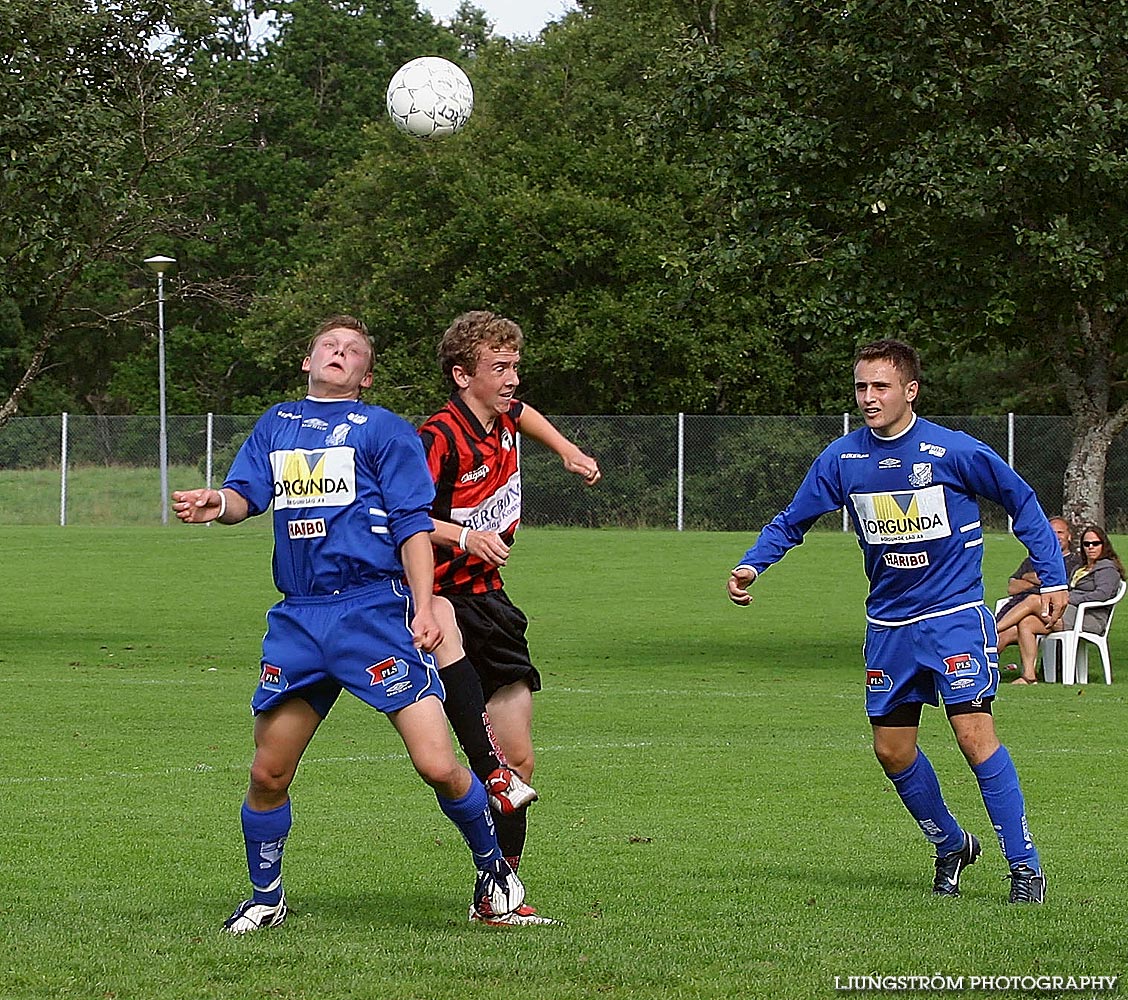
(159,265)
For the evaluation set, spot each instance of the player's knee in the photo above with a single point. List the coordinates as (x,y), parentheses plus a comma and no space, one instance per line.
(894,758)
(443,775)
(270,776)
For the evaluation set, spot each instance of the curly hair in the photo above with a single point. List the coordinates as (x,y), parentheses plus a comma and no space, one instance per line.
(459,344)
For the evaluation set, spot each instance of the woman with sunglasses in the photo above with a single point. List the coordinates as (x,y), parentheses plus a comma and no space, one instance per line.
(1097,579)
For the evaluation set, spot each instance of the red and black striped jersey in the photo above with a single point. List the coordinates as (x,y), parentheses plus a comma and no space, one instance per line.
(477,484)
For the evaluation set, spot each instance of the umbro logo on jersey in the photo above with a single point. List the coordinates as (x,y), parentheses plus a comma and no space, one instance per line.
(889,463)
(479,473)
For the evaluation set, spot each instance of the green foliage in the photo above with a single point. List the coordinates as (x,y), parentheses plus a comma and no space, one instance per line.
(95,122)
(953,174)
(547,208)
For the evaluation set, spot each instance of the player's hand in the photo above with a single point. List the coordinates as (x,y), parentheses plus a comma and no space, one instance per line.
(1054,605)
(196,506)
(426,632)
(487,545)
(584,465)
(738,583)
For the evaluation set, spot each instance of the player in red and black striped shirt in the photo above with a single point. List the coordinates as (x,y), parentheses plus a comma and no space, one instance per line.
(471,446)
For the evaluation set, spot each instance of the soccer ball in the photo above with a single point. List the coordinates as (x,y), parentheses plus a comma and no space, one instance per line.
(429,98)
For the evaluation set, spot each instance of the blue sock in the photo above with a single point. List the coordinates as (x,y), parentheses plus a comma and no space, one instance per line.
(265,836)
(471,814)
(998,783)
(919,789)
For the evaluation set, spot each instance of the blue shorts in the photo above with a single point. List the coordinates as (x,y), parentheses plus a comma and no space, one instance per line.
(358,641)
(954,657)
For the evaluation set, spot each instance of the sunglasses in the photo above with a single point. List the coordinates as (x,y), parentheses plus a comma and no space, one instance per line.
(1092,545)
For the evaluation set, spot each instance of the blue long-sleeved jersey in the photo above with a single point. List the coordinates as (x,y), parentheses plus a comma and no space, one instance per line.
(349,484)
(913,502)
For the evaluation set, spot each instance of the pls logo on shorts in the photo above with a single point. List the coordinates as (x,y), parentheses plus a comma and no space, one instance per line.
(387,672)
(271,677)
(961,664)
(878,680)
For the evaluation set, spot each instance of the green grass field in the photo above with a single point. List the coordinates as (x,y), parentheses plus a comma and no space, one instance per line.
(712,824)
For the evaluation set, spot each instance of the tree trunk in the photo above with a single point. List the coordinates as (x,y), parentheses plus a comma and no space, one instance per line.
(1085,373)
(11,405)
(1084,493)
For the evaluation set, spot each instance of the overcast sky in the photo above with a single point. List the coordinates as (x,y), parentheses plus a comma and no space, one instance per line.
(510,17)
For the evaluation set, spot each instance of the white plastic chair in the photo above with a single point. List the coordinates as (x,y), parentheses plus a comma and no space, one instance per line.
(1073,656)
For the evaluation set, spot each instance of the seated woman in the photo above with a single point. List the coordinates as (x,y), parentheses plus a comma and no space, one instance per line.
(1098,579)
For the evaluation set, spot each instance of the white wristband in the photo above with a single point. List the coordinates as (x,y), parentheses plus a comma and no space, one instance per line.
(462,537)
(222,505)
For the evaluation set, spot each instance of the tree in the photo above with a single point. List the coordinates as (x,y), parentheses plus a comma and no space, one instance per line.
(90,110)
(953,173)
(301,99)
(548,207)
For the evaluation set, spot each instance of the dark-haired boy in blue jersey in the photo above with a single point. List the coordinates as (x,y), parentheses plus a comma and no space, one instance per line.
(911,489)
(352,500)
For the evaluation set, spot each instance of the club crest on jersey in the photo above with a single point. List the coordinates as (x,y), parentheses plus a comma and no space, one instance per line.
(506,440)
(878,680)
(387,672)
(921,474)
(964,663)
(340,432)
(271,677)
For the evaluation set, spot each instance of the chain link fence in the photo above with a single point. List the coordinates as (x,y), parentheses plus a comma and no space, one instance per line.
(675,471)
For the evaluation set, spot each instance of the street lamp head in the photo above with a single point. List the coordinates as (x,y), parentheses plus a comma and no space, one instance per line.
(159,264)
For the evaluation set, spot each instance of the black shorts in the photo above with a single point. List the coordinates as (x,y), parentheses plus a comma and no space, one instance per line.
(493,634)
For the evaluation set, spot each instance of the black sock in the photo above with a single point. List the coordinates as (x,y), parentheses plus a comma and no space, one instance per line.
(466,709)
(511,832)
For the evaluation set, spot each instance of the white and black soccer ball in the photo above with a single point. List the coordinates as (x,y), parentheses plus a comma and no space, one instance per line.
(430,97)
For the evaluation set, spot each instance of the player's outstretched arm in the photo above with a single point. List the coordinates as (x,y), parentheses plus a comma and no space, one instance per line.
(203,505)
(740,579)
(537,426)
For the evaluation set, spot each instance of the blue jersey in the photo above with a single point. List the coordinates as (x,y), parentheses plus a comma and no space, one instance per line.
(913,501)
(349,484)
